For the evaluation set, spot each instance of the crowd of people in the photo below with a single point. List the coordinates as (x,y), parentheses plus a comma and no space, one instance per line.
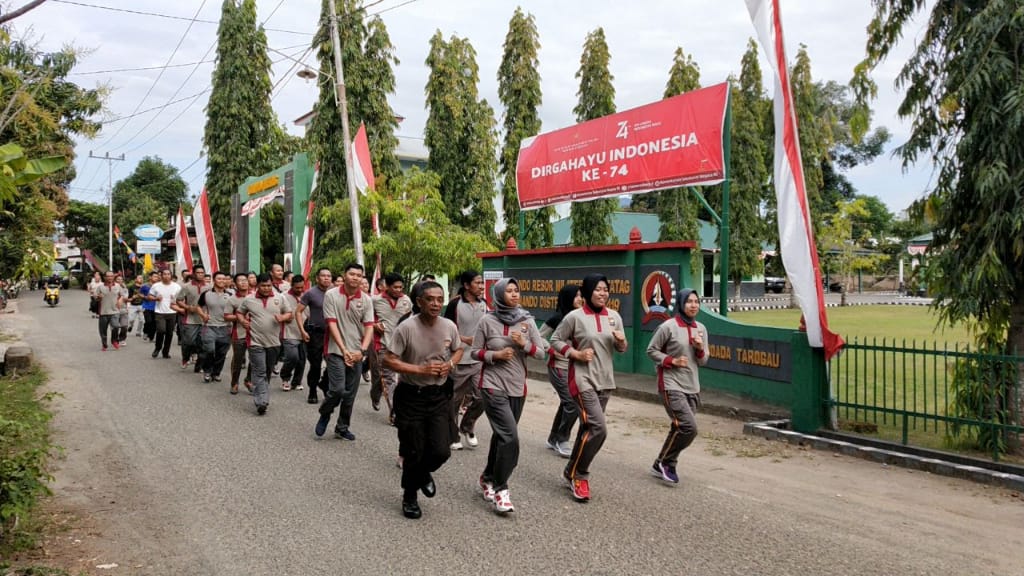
(436,366)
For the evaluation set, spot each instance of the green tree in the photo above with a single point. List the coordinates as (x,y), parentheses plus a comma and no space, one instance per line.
(749,171)
(461,135)
(242,133)
(419,236)
(845,252)
(520,94)
(373,109)
(963,94)
(86,224)
(153,191)
(877,223)
(592,221)
(815,121)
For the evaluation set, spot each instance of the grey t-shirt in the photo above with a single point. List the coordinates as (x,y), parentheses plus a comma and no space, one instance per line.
(216,305)
(291,329)
(264,329)
(108,296)
(468,315)
(415,342)
(388,312)
(352,314)
(190,294)
(313,300)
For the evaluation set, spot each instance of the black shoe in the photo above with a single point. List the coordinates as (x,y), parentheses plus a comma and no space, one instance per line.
(197,369)
(156,353)
(261,409)
(167,356)
(312,400)
(207,378)
(376,405)
(411,509)
(429,489)
(346,435)
(321,425)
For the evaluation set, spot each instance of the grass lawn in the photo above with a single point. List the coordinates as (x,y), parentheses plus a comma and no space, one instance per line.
(866,322)
(899,381)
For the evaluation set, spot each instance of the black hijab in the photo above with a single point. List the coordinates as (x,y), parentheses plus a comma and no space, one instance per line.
(681,305)
(590,282)
(566,299)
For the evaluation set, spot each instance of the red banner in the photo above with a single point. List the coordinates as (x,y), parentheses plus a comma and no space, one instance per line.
(673,142)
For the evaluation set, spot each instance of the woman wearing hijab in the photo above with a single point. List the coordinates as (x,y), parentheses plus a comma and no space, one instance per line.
(677,349)
(569,299)
(503,340)
(587,337)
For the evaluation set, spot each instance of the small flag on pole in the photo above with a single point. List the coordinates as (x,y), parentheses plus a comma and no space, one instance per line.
(204,232)
(362,166)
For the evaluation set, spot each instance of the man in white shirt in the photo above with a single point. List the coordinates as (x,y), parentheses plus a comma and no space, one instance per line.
(164,294)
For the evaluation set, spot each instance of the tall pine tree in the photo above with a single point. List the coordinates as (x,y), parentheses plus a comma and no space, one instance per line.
(241,127)
(749,172)
(592,221)
(373,109)
(519,91)
(325,131)
(461,135)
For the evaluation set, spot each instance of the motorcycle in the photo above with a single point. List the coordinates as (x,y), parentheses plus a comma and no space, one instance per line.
(52,296)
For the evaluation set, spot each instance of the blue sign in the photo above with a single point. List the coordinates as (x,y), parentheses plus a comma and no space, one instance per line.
(148,232)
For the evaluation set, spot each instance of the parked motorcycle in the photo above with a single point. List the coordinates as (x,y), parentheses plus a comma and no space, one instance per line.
(52,295)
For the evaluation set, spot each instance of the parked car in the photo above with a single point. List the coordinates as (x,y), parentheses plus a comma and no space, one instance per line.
(774,284)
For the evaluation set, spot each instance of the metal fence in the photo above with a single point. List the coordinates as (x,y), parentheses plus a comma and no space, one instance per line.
(926,395)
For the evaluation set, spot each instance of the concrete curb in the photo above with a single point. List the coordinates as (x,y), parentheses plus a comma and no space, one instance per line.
(776,430)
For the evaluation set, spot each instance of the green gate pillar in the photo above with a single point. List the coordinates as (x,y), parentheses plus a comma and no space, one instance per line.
(810,386)
(295,180)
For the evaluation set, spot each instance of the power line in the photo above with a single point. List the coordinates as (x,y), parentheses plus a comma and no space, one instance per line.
(168,16)
(116,70)
(161,74)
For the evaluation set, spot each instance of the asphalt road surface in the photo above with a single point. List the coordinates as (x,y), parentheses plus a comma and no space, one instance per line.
(174,476)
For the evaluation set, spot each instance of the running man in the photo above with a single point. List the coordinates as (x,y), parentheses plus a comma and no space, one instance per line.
(263,314)
(188,304)
(109,297)
(388,308)
(215,338)
(424,350)
(313,331)
(466,310)
(164,294)
(291,340)
(348,312)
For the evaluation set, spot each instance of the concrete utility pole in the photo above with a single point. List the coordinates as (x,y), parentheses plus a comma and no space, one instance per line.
(110,203)
(339,93)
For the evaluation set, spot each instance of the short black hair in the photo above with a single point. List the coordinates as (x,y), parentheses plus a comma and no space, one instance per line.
(393,277)
(354,265)
(429,284)
(298,279)
(198,267)
(322,268)
(217,274)
(243,275)
(429,277)
(264,277)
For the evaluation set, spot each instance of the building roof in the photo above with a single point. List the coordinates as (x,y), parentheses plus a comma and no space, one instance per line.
(648,224)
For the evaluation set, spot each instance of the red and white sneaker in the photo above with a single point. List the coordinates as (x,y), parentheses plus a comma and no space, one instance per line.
(502,502)
(487,489)
(580,490)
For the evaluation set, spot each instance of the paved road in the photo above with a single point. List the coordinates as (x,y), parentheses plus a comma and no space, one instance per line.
(177,477)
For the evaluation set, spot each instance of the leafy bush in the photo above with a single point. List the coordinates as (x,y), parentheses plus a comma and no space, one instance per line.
(24,449)
(982,391)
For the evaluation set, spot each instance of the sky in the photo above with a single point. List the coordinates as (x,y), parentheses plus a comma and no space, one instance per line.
(167,105)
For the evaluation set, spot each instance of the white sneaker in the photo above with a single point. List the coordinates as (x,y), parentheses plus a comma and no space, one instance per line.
(471,440)
(300,387)
(456,446)
(564,449)
(502,502)
(487,489)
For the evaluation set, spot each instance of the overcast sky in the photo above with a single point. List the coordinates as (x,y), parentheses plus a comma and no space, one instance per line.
(641,39)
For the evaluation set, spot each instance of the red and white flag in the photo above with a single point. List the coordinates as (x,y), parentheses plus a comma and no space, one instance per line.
(306,250)
(796,236)
(182,244)
(204,233)
(375,220)
(362,166)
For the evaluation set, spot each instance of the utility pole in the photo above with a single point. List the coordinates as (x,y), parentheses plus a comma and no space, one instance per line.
(339,94)
(110,203)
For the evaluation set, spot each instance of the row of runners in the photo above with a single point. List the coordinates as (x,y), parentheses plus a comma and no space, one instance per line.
(438,366)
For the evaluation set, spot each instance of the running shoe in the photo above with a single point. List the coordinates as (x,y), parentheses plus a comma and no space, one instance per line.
(261,409)
(471,440)
(207,378)
(564,449)
(580,490)
(346,435)
(487,489)
(116,344)
(502,502)
(286,386)
(321,424)
(300,387)
(668,472)
(456,446)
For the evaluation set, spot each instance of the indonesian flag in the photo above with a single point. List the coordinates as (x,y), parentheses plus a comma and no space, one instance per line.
(182,244)
(375,220)
(361,164)
(306,249)
(796,236)
(204,232)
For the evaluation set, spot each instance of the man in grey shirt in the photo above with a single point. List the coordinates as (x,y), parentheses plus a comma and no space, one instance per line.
(110,297)
(188,304)
(263,314)
(216,338)
(465,311)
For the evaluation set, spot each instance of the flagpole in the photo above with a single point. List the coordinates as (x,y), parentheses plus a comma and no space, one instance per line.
(339,90)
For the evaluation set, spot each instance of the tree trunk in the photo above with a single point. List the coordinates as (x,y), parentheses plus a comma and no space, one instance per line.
(1014,403)
(739,287)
